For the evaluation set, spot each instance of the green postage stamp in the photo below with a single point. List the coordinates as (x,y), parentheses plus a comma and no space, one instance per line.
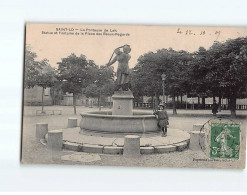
(225,140)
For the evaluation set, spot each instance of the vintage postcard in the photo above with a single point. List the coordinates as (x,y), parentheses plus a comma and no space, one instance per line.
(139,96)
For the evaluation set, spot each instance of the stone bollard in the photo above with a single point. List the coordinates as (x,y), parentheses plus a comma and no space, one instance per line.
(197,127)
(197,140)
(72,122)
(41,130)
(131,146)
(55,144)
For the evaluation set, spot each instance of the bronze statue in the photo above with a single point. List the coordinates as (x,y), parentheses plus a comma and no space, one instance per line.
(123,57)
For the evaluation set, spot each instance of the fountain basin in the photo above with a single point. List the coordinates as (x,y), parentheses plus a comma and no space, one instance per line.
(104,121)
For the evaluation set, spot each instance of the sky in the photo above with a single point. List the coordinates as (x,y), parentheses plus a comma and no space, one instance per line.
(99,48)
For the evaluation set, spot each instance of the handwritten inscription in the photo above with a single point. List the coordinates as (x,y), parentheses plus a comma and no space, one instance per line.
(203,32)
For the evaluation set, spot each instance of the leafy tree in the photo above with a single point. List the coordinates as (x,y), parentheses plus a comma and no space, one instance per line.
(46,78)
(223,70)
(31,69)
(91,91)
(57,92)
(76,73)
(38,73)
(103,83)
(146,75)
(108,88)
(198,86)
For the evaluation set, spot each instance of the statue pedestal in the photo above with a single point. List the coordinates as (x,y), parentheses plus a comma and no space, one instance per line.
(122,103)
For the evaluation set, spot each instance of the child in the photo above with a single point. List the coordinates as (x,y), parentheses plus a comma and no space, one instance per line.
(162,119)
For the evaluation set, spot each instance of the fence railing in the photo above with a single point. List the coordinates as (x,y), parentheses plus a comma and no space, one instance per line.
(189,106)
(143,105)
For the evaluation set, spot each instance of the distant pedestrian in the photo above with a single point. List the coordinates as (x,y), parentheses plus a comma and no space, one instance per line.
(215,108)
(163,118)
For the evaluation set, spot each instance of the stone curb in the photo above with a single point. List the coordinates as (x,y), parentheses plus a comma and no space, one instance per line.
(118,150)
(165,149)
(112,150)
(72,146)
(147,150)
(92,148)
(181,146)
(89,148)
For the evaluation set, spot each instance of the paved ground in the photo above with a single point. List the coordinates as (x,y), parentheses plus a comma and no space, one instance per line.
(173,136)
(35,152)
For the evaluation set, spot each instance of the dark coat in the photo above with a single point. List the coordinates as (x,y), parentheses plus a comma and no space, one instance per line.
(162,117)
(214,108)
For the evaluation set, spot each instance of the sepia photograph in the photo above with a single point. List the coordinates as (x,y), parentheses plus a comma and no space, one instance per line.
(135,96)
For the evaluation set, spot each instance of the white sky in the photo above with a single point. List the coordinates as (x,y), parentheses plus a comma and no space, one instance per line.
(142,39)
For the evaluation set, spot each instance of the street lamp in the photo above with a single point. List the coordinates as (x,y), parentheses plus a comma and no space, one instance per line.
(163,76)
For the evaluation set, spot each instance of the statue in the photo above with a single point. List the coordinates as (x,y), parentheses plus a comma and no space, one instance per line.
(123,57)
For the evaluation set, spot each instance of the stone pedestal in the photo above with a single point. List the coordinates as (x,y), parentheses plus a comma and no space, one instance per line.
(197,140)
(41,130)
(122,103)
(131,146)
(198,127)
(55,144)
(72,122)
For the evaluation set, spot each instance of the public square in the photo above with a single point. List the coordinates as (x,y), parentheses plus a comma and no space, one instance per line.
(133,104)
(36,153)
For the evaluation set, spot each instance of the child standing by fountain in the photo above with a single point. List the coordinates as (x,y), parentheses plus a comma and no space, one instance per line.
(163,118)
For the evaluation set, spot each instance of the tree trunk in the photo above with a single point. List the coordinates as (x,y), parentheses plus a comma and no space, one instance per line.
(174,105)
(186,103)
(199,103)
(203,102)
(152,102)
(181,99)
(157,100)
(233,100)
(213,98)
(54,98)
(74,102)
(110,102)
(100,99)
(42,99)
(219,103)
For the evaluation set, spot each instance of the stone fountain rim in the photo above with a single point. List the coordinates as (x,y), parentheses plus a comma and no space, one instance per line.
(91,114)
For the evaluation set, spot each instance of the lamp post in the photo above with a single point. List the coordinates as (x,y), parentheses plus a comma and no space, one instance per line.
(163,76)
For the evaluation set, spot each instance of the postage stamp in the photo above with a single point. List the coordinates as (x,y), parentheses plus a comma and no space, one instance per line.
(225,140)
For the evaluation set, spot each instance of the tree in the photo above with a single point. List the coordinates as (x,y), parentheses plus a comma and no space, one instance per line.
(198,86)
(45,78)
(108,88)
(146,76)
(91,91)
(103,83)
(38,73)
(57,92)
(31,69)
(224,70)
(76,73)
